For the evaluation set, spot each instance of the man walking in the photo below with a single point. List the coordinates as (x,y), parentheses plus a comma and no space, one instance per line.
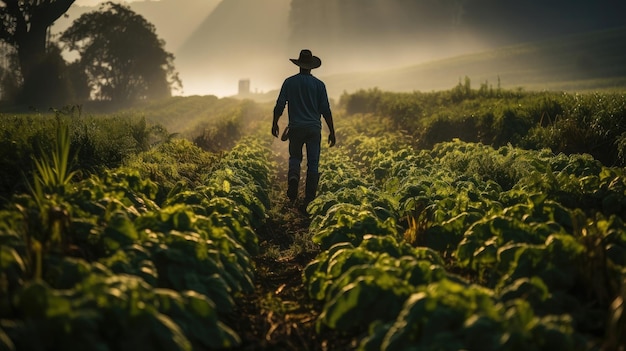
(306,99)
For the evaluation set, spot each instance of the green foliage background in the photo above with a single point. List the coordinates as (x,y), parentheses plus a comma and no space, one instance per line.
(466,219)
(591,123)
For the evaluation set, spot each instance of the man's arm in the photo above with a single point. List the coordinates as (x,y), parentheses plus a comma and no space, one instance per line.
(327,114)
(275,129)
(328,117)
(278,110)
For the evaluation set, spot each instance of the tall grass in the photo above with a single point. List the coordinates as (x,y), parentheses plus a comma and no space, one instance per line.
(97,142)
(53,170)
(591,123)
(47,222)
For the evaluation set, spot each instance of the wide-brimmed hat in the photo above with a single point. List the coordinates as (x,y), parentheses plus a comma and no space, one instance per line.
(307,60)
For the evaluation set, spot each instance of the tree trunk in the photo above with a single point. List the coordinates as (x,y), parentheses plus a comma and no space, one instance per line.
(31,49)
(31,28)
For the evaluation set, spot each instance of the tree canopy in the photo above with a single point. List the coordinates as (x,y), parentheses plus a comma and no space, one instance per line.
(121,54)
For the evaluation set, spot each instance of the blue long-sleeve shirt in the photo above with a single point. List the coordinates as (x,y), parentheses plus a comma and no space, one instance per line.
(306,99)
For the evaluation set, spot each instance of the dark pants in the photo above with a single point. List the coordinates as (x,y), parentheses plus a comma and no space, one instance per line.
(312,139)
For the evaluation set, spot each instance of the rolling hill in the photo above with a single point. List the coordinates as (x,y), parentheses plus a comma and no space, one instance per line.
(590,61)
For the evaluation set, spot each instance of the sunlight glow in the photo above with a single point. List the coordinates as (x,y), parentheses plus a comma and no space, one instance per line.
(216,43)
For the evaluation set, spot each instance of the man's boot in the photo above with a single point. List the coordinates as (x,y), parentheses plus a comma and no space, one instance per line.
(292,189)
(312,181)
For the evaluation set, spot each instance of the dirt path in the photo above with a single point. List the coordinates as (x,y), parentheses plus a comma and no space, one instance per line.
(279,315)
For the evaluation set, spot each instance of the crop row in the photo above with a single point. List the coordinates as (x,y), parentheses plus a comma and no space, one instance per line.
(536,242)
(99,265)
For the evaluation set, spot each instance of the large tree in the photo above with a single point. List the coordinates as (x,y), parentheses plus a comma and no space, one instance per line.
(121,54)
(24,25)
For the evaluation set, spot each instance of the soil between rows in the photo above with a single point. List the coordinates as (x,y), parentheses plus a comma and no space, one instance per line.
(279,315)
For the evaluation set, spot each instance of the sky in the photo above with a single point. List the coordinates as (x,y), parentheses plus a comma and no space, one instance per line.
(175,20)
(213,60)
(218,42)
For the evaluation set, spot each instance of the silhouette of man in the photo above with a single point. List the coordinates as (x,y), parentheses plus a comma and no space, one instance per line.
(306,99)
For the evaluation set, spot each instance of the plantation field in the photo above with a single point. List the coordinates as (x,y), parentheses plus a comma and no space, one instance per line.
(463,219)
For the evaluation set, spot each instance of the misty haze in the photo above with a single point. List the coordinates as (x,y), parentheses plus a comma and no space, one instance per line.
(364,43)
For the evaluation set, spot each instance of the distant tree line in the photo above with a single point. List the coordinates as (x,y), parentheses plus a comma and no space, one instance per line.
(120,58)
(348,23)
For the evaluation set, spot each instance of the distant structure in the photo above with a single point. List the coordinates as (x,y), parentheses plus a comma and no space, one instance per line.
(246,93)
(244,86)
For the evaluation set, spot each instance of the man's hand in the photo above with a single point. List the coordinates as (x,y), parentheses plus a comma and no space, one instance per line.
(331,139)
(275,130)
